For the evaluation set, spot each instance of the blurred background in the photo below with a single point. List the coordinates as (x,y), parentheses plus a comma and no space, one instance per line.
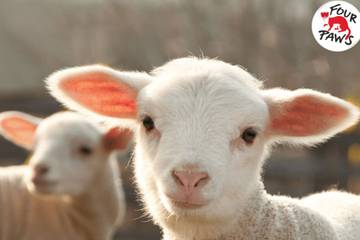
(272,39)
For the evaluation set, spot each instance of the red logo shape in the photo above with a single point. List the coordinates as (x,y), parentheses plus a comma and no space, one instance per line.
(342,25)
(324,14)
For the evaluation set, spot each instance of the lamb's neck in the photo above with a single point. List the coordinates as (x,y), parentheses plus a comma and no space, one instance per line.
(250,216)
(264,216)
(102,202)
(280,217)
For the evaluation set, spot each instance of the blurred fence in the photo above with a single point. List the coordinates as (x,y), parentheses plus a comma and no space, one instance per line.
(272,39)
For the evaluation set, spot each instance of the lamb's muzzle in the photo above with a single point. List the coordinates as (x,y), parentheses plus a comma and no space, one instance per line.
(188,188)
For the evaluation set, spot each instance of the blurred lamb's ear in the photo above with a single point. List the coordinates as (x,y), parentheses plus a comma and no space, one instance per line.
(19,128)
(98,90)
(306,116)
(117,138)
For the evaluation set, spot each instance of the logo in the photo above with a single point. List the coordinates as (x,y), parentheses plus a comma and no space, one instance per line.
(336,26)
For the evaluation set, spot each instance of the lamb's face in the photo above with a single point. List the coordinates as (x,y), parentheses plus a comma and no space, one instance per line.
(67,155)
(70,152)
(203,128)
(207,131)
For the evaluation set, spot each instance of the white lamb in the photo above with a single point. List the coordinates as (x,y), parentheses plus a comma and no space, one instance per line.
(71,188)
(204,130)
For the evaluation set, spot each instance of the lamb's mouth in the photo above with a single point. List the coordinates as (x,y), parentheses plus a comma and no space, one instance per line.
(187,205)
(184,204)
(42,185)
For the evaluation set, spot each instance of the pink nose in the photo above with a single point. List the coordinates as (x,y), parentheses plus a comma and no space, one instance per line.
(189,181)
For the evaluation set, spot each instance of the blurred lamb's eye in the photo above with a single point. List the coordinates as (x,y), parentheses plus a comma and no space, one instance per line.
(85,150)
(148,123)
(249,135)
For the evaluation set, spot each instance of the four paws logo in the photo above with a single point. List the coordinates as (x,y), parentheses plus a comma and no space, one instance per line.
(336,26)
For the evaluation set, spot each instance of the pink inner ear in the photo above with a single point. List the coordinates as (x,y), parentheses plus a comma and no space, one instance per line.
(307,115)
(19,130)
(117,138)
(102,94)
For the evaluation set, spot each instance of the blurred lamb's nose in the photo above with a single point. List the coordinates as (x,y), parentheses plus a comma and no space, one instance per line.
(40,170)
(190,181)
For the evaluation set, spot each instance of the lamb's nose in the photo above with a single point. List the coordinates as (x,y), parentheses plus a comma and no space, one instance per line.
(189,181)
(40,169)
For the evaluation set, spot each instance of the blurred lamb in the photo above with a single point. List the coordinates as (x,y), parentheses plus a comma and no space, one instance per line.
(204,129)
(71,188)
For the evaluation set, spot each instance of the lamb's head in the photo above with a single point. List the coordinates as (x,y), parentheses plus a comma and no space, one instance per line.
(203,127)
(69,151)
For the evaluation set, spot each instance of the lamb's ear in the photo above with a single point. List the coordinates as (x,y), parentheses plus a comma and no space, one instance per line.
(117,138)
(98,90)
(306,116)
(19,128)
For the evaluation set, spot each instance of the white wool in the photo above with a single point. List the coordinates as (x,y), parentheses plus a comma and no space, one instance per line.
(200,109)
(88,200)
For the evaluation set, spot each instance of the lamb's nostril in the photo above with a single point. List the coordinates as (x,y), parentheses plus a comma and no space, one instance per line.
(41,169)
(177,179)
(202,180)
(190,180)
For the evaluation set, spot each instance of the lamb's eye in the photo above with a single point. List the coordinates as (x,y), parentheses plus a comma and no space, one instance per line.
(148,123)
(85,150)
(249,135)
